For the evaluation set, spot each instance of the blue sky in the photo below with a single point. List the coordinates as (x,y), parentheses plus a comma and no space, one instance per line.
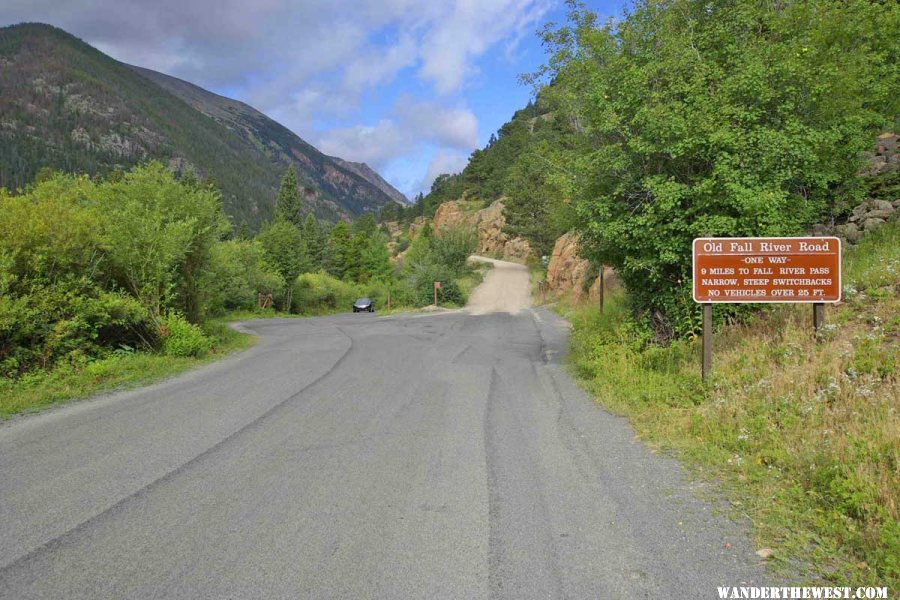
(410,87)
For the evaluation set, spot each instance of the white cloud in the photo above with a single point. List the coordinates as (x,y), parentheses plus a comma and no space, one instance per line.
(443,161)
(412,125)
(468,31)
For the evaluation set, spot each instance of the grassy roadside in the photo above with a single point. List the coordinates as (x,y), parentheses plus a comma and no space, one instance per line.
(802,436)
(537,274)
(119,370)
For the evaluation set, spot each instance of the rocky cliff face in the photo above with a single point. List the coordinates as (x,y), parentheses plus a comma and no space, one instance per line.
(488,223)
(570,275)
(567,271)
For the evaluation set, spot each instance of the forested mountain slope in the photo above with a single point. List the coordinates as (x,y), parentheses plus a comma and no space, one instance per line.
(514,166)
(65,105)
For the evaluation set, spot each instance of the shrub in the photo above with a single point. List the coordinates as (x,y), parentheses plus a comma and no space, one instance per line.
(317,293)
(453,248)
(422,278)
(182,338)
(237,274)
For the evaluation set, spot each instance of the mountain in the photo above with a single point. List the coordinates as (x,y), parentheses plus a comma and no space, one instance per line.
(370,175)
(65,105)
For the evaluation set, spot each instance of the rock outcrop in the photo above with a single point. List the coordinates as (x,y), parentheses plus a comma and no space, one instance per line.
(569,274)
(871,214)
(416,226)
(488,223)
(885,158)
(868,216)
(567,271)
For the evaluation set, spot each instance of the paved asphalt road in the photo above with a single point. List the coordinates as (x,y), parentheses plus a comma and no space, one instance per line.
(442,455)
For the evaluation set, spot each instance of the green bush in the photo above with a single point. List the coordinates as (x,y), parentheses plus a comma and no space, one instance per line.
(422,278)
(182,338)
(318,293)
(239,271)
(453,248)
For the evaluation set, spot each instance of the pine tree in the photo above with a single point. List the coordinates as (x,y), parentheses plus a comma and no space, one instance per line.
(287,205)
(316,241)
(340,250)
(365,225)
(376,260)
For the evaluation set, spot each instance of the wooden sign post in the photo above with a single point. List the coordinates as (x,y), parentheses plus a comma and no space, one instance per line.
(706,365)
(437,286)
(601,286)
(743,270)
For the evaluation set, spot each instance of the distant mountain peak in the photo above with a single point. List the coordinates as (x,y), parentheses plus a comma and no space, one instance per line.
(372,176)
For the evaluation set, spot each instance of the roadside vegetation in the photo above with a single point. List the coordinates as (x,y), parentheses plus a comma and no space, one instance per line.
(119,369)
(113,282)
(802,435)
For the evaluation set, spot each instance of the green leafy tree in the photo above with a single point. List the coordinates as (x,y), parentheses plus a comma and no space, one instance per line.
(285,250)
(453,248)
(58,298)
(288,205)
(160,233)
(239,271)
(420,248)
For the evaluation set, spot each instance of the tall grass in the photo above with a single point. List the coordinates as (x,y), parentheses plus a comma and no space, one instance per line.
(802,433)
(120,369)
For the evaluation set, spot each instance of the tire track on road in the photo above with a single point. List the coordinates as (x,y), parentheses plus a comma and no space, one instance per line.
(120,505)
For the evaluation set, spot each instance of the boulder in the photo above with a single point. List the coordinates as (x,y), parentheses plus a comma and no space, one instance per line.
(878,205)
(885,158)
(820,229)
(517,250)
(490,222)
(872,224)
(880,213)
(849,232)
(451,214)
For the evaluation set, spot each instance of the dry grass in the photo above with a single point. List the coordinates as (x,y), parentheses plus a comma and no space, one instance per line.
(802,433)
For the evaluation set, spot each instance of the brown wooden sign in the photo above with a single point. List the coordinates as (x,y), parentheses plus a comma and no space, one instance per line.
(792,269)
